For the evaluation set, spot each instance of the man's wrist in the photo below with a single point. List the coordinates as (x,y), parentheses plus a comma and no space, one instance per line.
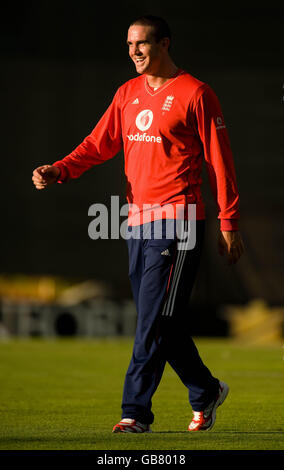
(59,173)
(62,177)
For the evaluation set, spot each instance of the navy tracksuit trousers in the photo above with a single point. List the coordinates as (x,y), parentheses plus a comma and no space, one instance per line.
(162,277)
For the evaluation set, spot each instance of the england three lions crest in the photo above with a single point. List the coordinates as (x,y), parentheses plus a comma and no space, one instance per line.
(168,103)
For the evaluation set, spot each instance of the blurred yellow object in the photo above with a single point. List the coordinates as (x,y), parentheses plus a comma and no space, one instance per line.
(28,288)
(46,288)
(49,289)
(256,323)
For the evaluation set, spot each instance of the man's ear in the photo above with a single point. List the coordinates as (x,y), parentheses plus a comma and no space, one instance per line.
(165,42)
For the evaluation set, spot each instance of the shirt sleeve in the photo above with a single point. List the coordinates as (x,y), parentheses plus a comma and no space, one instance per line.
(218,157)
(104,142)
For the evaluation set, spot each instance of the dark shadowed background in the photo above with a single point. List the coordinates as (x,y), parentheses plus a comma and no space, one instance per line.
(61,65)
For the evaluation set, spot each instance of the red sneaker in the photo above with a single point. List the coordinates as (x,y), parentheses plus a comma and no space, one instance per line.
(131,425)
(204,420)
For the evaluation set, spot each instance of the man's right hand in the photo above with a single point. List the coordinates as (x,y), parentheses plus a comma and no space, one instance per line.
(45,175)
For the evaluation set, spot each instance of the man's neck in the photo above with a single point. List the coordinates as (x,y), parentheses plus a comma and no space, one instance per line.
(162,76)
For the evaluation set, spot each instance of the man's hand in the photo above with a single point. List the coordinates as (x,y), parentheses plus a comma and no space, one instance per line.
(45,175)
(231,245)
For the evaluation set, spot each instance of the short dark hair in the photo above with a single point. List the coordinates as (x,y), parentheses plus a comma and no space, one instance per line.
(160,26)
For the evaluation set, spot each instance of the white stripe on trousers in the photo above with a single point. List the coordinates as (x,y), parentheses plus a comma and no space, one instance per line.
(170,300)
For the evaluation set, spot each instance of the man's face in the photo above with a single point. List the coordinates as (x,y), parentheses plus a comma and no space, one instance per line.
(145,52)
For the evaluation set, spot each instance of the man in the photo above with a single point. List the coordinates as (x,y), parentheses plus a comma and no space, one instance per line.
(167,122)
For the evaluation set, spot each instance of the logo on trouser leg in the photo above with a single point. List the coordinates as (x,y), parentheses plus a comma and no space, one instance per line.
(166,253)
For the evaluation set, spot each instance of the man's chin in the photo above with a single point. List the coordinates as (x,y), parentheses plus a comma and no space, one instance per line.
(141,69)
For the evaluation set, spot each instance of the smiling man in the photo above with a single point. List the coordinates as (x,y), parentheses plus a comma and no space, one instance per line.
(148,48)
(168,123)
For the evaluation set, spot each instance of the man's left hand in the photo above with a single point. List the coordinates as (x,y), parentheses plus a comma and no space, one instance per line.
(231,245)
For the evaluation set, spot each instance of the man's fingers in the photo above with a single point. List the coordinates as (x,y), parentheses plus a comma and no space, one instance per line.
(231,244)
(235,253)
(39,182)
(43,169)
(37,179)
(36,174)
(40,173)
(41,176)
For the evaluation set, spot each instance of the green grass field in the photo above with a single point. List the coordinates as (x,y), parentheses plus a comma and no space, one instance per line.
(66,394)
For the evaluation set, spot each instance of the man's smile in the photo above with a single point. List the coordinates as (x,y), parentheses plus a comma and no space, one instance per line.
(139,60)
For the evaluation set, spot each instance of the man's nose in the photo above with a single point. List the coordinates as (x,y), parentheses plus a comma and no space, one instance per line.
(137,51)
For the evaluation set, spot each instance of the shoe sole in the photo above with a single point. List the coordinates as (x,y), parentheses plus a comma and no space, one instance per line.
(119,430)
(219,402)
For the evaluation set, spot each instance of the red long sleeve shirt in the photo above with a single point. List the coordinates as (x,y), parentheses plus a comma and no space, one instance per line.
(165,134)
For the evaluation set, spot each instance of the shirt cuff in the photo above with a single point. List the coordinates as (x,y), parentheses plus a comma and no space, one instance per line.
(229,225)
